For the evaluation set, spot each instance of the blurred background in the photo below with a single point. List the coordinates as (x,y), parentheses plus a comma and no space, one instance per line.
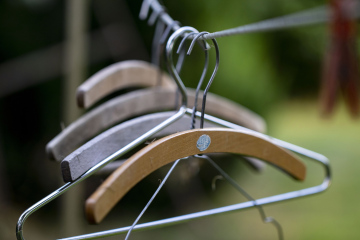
(48,47)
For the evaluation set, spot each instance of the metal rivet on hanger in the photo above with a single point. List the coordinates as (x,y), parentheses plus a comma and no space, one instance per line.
(203,142)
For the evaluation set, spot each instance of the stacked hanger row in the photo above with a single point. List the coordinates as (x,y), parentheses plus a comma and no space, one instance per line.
(81,159)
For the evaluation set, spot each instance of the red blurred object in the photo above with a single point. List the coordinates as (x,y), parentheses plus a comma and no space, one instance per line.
(341,65)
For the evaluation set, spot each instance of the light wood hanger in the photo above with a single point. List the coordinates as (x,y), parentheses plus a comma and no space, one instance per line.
(180,145)
(103,145)
(137,103)
(131,73)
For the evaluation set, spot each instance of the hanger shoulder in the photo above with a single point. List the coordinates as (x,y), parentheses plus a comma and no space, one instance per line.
(180,145)
(120,75)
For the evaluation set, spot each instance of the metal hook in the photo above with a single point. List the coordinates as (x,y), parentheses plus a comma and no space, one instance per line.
(182,52)
(212,76)
(202,75)
(155,48)
(154,16)
(167,31)
(158,42)
(144,11)
(169,55)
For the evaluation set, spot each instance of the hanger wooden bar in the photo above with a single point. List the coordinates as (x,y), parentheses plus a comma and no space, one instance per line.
(118,76)
(108,142)
(180,145)
(138,103)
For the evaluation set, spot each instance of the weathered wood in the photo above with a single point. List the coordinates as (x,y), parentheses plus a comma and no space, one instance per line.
(118,76)
(108,142)
(106,115)
(180,145)
(137,103)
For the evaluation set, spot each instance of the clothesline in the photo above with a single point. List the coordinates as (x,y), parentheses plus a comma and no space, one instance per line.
(312,16)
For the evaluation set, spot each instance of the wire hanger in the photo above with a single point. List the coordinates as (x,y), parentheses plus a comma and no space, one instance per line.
(131,73)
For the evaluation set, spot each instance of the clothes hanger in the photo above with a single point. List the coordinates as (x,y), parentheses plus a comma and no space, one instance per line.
(183,110)
(181,145)
(137,103)
(130,73)
(106,143)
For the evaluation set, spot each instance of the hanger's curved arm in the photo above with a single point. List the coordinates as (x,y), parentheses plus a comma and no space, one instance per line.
(138,103)
(180,145)
(118,76)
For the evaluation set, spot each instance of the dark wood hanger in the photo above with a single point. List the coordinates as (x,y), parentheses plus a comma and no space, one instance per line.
(108,142)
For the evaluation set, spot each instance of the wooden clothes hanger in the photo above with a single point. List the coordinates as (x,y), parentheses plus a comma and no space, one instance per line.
(130,73)
(108,142)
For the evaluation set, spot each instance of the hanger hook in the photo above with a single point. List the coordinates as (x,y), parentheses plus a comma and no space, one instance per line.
(181,47)
(167,31)
(155,47)
(144,11)
(212,76)
(154,16)
(170,62)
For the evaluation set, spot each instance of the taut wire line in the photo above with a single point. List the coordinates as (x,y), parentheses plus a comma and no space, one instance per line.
(312,16)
